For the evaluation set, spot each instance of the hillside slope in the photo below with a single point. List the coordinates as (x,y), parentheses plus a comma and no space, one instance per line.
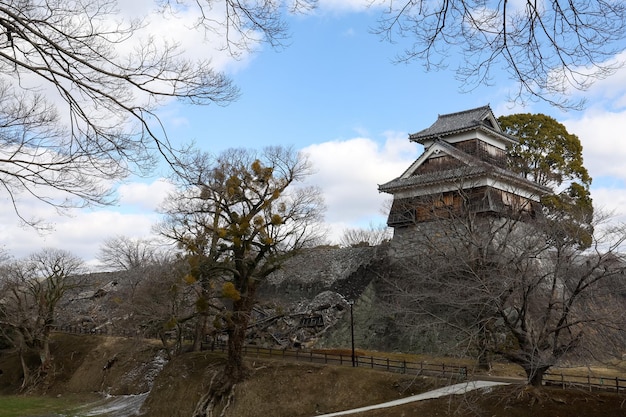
(116,366)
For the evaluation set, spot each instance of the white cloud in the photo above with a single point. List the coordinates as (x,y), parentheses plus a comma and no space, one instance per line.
(602,126)
(180,24)
(80,234)
(346,5)
(82,231)
(611,201)
(603,136)
(349,172)
(145,196)
(610,92)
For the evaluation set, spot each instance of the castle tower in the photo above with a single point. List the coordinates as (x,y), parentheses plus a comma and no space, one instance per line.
(464,167)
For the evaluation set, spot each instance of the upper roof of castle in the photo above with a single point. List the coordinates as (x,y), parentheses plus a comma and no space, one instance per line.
(446,137)
(481,118)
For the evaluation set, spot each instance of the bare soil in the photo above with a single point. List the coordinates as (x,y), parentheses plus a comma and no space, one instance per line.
(514,401)
(275,388)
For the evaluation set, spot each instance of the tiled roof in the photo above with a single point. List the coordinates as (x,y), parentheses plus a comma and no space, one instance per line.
(433,177)
(455,122)
(473,167)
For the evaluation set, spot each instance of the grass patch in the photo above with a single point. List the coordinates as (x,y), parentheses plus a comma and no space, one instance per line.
(26,406)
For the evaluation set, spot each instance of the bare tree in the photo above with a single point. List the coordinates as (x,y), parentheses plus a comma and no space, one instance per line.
(510,284)
(123,253)
(163,304)
(547,47)
(246,24)
(79,91)
(372,236)
(32,290)
(239,215)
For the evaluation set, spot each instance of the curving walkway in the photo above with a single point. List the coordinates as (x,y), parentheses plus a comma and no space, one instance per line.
(449,390)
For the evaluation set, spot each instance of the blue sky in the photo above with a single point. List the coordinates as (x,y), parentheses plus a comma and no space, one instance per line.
(334,80)
(334,93)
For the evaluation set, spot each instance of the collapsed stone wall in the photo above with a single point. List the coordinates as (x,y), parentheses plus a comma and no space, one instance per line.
(328,268)
(304,304)
(314,290)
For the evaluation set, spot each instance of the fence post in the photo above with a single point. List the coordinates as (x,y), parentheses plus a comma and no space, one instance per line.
(562,381)
(387,364)
(340,359)
(404,366)
(310,356)
(617,385)
(443,369)
(589,381)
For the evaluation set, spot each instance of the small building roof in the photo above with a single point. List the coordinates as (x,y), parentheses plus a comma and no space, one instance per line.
(449,124)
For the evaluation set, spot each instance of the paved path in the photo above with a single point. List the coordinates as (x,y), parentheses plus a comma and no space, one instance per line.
(450,390)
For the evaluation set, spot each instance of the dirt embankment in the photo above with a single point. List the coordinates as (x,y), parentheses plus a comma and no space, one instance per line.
(94,364)
(90,364)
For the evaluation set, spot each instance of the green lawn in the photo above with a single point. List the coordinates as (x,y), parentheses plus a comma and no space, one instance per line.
(24,406)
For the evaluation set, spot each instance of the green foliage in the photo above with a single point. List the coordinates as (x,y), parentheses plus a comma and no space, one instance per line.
(202,304)
(547,153)
(551,156)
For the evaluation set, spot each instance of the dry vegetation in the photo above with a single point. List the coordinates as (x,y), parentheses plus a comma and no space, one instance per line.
(286,389)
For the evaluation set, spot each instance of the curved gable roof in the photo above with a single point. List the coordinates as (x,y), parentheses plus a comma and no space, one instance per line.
(449,124)
(473,167)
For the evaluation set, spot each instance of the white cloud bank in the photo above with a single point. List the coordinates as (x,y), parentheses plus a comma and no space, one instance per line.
(348,172)
(602,132)
(82,231)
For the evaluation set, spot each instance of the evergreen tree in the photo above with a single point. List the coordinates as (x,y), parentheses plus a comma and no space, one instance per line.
(549,155)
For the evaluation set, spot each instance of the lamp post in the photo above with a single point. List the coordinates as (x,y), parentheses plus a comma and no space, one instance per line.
(351,302)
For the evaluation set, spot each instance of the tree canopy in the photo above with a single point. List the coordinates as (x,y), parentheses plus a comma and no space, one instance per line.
(549,155)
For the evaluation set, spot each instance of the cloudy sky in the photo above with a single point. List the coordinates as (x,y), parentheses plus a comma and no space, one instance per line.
(334,93)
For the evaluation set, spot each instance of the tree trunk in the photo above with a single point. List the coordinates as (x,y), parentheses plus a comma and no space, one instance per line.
(44,353)
(25,370)
(199,333)
(484,361)
(534,376)
(235,370)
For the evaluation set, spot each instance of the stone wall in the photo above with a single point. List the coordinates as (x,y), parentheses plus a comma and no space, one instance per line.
(307,274)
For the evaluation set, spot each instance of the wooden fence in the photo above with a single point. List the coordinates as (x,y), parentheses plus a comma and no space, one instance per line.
(589,382)
(453,372)
(457,373)
(103,331)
